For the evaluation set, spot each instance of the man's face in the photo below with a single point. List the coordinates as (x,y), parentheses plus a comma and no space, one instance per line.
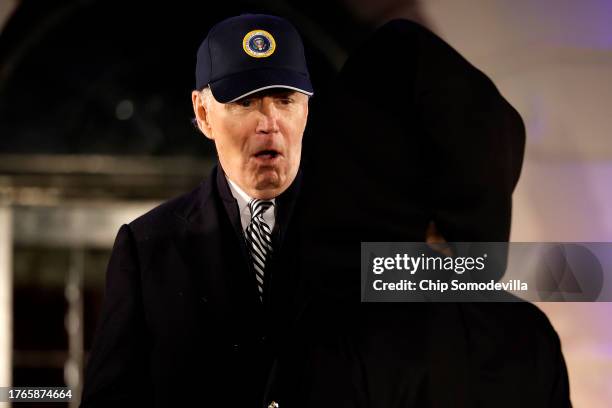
(258,138)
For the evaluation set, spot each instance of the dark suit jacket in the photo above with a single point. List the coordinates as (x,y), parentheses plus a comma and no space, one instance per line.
(426,355)
(181,323)
(411,132)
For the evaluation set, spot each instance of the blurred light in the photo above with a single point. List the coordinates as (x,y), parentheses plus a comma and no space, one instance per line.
(124,110)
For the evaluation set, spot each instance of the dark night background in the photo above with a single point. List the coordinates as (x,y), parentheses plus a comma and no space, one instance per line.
(95,129)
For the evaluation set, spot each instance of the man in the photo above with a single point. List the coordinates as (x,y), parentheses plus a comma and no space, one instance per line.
(185,320)
(431,140)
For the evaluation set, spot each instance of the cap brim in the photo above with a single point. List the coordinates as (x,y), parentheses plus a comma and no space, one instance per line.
(237,86)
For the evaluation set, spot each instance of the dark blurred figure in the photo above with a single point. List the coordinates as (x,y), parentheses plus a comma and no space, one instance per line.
(412,136)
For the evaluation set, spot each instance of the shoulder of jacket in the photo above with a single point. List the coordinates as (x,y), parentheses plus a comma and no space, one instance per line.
(171,214)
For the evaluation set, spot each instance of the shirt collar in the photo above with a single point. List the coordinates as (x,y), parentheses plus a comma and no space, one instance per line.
(243,200)
(241,197)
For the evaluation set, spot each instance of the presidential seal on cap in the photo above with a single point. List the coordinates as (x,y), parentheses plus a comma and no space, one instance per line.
(249,53)
(259,43)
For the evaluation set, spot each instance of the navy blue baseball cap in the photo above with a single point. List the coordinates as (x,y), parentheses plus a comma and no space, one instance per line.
(249,53)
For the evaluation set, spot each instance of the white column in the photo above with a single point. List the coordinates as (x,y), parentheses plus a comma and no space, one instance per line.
(6,297)
(73,368)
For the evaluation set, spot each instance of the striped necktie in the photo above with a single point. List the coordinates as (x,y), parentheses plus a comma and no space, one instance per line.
(259,240)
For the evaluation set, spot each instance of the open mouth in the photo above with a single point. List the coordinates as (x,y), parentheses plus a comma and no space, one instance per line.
(267,154)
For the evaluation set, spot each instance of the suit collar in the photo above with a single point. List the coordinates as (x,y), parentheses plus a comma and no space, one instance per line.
(214,184)
(284,202)
(212,210)
(212,250)
(229,202)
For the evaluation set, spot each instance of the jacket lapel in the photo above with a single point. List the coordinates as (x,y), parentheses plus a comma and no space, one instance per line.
(286,204)
(214,252)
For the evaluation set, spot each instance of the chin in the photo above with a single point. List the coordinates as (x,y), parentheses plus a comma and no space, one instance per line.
(270,186)
(269,183)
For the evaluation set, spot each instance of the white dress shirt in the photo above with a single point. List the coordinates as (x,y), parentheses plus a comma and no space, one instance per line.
(243,200)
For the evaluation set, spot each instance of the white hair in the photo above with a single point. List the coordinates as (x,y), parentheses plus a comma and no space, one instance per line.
(206,96)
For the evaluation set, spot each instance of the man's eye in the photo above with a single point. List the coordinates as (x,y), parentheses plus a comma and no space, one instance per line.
(286,101)
(245,103)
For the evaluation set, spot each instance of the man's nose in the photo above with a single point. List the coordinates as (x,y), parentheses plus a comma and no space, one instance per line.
(268,121)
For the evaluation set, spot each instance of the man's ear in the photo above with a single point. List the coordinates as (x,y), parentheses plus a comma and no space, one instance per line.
(201,114)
